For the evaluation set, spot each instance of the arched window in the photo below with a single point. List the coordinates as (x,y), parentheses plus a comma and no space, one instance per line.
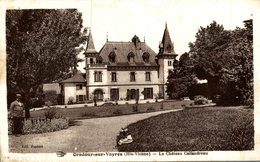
(146,57)
(131,57)
(112,57)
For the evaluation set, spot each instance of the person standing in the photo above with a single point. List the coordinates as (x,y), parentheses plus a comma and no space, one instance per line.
(17,115)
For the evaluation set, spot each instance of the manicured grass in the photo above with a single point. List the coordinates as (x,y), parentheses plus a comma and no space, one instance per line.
(201,129)
(106,111)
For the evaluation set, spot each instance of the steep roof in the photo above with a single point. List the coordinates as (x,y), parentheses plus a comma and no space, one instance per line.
(166,46)
(90,45)
(77,78)
(122,49)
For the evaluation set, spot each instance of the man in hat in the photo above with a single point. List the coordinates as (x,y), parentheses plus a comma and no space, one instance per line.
(17,115)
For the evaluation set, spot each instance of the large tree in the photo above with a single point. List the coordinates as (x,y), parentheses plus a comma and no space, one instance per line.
(225,59)
(42,46)
(240,74)
(206,54)
(181,78)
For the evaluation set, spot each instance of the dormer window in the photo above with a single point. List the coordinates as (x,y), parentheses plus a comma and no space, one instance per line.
(131,57)
(99,60)
(112,57)
(146,57)
(169,48)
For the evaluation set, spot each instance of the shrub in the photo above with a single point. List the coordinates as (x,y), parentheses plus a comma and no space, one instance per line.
(200,100)
(71,100)
(118,112)
(10,126)
(48,103)
(216,98)
(135,108)
(50,112)
(43,126)
(162,106)
(150,109)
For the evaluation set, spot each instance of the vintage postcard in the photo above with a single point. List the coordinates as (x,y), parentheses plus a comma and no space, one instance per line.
(128,80)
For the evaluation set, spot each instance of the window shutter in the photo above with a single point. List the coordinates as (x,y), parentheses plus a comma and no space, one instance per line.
(145,94)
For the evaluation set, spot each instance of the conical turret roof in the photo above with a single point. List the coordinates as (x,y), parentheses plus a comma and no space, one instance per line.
(90,44)
(166,46)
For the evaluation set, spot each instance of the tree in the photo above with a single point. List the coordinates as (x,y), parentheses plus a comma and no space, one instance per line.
(206,54)
(240,74)
(181,78)
(225,59)
(42,46)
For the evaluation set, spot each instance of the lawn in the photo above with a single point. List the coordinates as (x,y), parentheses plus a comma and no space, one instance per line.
(201,129)
(114,110)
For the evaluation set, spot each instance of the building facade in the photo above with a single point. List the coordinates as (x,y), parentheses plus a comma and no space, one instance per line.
(128,70)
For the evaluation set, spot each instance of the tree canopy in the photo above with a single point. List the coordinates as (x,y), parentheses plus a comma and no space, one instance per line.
(225,59)
(42,46)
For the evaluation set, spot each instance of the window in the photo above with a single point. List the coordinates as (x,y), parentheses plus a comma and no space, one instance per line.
(79,87)
(147,76)
(146,56)
(113,77)
(130,57)
(114,94)
(99,60)
(169,63)
(148,93)
(80,98)
(112,57)
(132,94)
(98,76)
(91,61)
(169,49)
(132,76)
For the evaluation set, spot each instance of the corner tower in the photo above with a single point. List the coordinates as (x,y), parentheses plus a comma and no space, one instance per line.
(166,57)
(90,53)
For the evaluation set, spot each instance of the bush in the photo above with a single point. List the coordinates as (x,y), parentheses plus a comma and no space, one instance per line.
(118,112)
(150,109)
(50,113)
(43,126)
(135,108)
(10,126)
(48,103)
(71,100)
(200,100)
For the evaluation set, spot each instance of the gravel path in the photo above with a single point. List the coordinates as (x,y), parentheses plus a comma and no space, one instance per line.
(90,135)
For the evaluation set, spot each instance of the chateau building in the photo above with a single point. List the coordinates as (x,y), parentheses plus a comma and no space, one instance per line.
(126,70)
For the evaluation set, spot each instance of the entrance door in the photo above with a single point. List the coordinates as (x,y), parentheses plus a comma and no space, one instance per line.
(114,94)
(99,95)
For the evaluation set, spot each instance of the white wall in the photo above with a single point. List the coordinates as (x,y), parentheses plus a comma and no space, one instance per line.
(70,91)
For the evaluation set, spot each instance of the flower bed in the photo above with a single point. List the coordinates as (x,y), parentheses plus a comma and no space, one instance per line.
(41,125)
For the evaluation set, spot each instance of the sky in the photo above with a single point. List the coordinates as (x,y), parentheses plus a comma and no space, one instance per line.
(120,20)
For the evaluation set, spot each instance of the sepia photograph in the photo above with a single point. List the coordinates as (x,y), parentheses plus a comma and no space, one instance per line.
(127,79)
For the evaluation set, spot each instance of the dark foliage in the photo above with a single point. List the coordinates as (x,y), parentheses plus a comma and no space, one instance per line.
(42,46)
(224,58)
